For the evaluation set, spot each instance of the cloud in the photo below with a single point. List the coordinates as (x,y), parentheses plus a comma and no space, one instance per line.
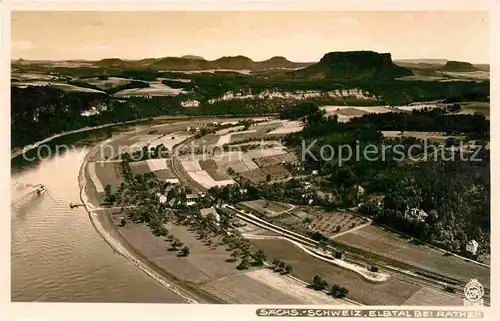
(346,21)
(22,45)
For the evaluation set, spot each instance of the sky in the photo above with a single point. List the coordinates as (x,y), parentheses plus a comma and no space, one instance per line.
(298,36)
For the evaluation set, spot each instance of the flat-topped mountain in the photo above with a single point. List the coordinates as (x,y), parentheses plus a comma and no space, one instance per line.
(354,65)
(458,66)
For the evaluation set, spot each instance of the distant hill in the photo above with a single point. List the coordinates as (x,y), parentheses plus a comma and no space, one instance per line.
(485,67)
(233,62)
(192,57)
(435,64)
(353,65)
(458,66)
(427,64)
(190,62)
(278,62)
(421,61)
(111,62)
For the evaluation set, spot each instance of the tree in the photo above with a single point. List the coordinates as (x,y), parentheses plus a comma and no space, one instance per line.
(275,263)
(335,290)
(185,251)
(243,264)
(318,283)
(259,257)
(342,293)
(281,265)
(123,222)
(176,243)
(234,255)
(288,269)
(109,196)
(268,177)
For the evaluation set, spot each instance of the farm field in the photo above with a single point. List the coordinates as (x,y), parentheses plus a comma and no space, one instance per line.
(109,83)
(385,243)
(239,71)
(218,175)
(66,87)
(272,153)
(242,135)
(242,289)
(109,173)
(22,76)
(204,263)
(267,126)
(433,297)
(482,108)
(166,175)
(345,113)
(305,267)
(207,181)
(473,75)
(229,130)
(208,165)
(170,140)
(422,78)
(288,127)
(267,287)
(262,143)
(243,166)
(276,172)
(191,165)
(375,109)
(268,208)
(251,229)
(113,149)
(139,168)
(275,159)
(432,136)
(207,140)
(326,223)
(151,165)
(351,112)
(157,88)
(293,288)
(254,176)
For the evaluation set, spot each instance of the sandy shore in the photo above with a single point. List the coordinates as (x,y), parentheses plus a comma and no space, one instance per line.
(104,225)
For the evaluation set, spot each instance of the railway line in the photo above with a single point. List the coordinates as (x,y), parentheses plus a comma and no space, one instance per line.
(399,269)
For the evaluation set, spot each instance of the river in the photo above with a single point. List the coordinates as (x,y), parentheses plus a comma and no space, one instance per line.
(56,254)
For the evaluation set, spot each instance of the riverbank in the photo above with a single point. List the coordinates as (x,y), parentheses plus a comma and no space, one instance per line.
(105,227)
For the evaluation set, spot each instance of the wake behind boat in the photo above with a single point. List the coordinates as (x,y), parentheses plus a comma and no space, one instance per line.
(22,192)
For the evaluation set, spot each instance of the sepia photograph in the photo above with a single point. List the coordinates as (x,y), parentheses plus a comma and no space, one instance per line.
(329,158)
